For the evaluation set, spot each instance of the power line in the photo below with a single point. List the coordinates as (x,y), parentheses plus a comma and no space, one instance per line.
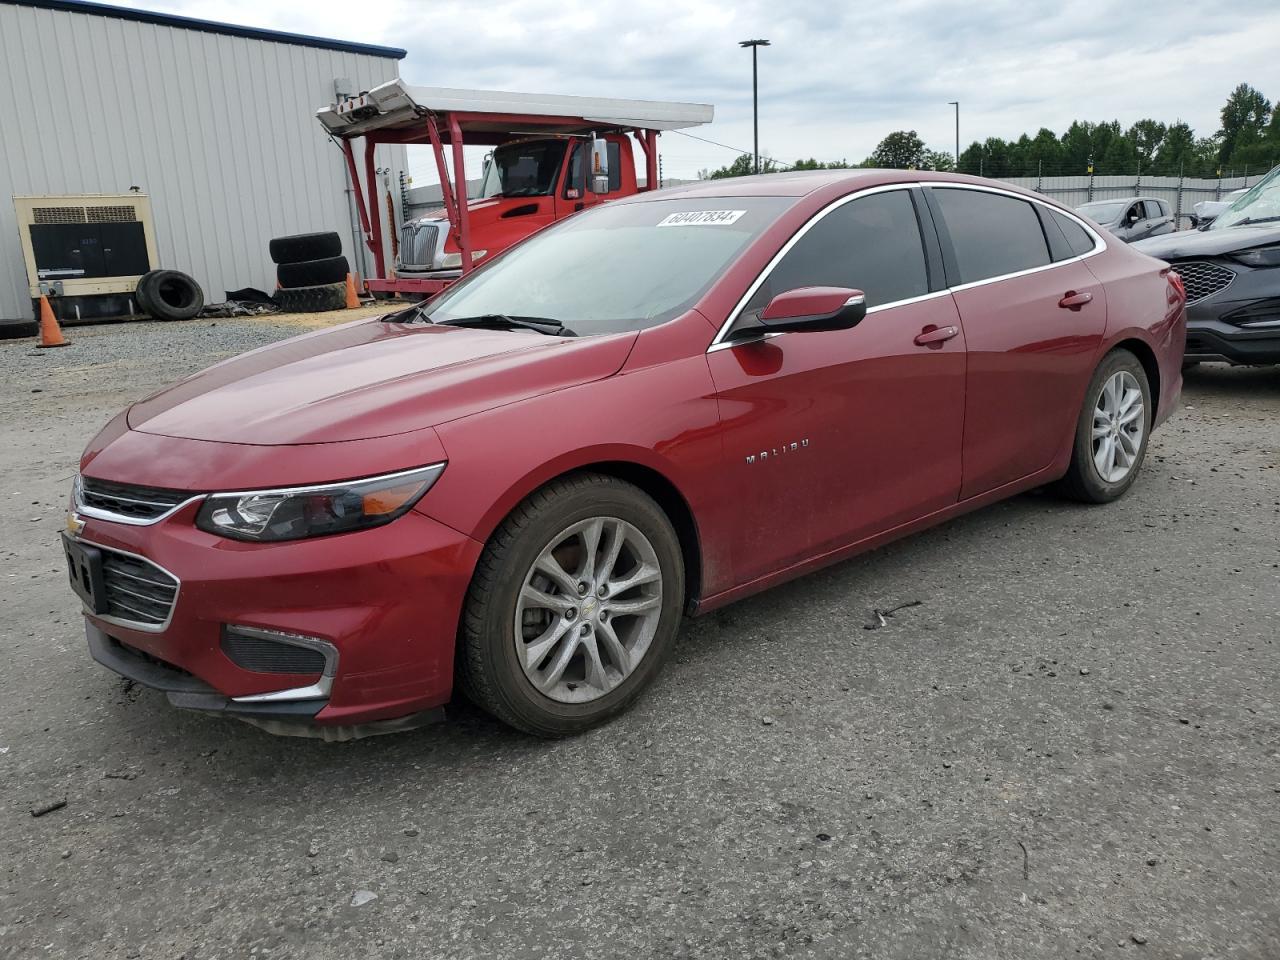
(715,143)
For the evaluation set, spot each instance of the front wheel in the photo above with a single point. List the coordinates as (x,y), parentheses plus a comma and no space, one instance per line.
(1111,434)
(574,606)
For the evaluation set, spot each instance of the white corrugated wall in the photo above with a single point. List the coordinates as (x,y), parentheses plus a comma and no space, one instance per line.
(219,131)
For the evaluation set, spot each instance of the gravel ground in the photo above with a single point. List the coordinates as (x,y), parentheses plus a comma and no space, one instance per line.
(1070,748)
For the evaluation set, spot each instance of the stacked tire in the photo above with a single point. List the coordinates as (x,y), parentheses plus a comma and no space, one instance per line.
(311,272)
(169,295)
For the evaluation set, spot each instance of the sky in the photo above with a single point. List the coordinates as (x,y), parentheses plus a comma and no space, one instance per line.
(835,79)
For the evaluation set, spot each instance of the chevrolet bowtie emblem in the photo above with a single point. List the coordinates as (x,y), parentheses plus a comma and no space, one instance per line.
(74,524)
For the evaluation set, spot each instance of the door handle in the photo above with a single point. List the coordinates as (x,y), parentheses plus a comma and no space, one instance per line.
(1074,301)
(932,334)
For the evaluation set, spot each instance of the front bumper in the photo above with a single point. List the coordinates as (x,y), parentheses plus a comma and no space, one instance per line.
(1209,338)
(1237,324)
(387,600)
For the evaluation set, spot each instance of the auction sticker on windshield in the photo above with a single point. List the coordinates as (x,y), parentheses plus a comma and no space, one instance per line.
(701,218)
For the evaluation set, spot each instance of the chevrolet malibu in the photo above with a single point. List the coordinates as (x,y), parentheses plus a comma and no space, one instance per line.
(648,410)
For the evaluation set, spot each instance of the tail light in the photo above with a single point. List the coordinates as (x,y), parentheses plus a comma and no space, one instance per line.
(1177,291)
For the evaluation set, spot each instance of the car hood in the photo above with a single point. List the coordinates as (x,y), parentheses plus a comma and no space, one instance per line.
(1208,243)
(371,379)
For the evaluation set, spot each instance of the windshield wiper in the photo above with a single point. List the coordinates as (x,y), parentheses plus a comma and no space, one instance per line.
(501,321)
(1248,220)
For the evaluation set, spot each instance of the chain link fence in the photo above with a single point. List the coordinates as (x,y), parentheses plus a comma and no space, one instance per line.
(1181,193)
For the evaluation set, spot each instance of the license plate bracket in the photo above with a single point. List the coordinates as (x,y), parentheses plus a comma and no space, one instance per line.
(84,570)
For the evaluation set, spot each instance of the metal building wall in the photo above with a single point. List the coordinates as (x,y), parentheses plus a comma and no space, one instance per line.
(219,130)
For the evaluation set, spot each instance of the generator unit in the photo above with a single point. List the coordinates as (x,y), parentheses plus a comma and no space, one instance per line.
(86,252)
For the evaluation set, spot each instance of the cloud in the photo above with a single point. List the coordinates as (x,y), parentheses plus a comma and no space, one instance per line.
(836,78)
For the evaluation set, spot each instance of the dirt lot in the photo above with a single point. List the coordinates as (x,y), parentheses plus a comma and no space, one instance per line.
(1070,748)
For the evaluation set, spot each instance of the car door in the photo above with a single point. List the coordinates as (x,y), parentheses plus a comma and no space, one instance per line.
(833,436)
(573,194)
(1158,219)
(1033,322)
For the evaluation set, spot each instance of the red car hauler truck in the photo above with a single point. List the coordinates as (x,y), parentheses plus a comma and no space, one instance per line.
(552,156)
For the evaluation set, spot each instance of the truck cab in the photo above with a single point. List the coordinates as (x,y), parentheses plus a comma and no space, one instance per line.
(528,183)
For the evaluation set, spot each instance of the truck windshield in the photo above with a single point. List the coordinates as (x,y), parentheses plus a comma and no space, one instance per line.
(523,169)
(618,267)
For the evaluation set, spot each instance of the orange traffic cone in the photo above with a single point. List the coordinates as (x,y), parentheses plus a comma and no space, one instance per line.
(353,301)
(50,332)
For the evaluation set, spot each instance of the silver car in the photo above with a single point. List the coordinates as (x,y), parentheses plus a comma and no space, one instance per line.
(1131,218)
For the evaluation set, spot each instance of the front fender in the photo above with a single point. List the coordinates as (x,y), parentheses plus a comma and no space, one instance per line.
(662,418)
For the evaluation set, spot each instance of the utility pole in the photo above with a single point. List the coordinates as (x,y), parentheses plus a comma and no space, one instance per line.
(755,95)
(956,104)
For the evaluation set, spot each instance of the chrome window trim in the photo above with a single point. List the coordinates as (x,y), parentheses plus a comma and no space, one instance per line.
(135,624)
(316,691)
(1099,245)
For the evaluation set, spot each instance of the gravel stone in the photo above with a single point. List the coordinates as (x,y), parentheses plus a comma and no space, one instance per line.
(694,844)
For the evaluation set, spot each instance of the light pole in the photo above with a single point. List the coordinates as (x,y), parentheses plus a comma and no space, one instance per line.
(956,104)
(755,98)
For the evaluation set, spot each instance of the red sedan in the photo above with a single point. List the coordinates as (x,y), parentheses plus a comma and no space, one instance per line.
(648,410)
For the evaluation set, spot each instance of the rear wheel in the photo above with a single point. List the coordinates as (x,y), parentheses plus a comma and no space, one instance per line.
(1112,432)
(574,606)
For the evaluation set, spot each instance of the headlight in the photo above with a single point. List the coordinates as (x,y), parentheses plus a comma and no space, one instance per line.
(296,512)
(452,261)
(1259,257)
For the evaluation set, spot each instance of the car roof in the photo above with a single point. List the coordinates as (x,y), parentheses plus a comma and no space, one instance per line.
(801,183)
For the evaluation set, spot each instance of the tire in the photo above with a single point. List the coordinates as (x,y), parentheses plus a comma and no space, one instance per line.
(317,299)
(140,293)
(305,246)
(311,273)
(1085,480)
(169,295)
(491,670)
(16,329)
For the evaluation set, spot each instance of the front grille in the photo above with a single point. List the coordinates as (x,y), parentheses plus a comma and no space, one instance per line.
(129,501)
(262,654)
(1203,279)
(137,590)
(418,245)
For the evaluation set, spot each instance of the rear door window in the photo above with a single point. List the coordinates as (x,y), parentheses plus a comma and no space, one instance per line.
(992,234)
(1153,210)
(1077,238)
(870,244)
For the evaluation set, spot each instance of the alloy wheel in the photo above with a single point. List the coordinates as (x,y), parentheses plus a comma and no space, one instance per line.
(1118,427)
(588,609)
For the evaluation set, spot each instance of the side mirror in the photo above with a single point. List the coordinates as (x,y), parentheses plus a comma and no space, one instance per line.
(815,308)
(598,180)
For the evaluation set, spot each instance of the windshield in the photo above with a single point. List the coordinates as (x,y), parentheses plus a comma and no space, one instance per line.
(1103,211)
(1260,203)
(615,268)
(523,169)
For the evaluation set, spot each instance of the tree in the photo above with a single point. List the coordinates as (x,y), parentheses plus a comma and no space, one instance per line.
(1176,154)
(972,160)
(937,160)
(812,164)
(740,167)
(900,150)
(1244,116)
(1147,135)
(1044,155)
